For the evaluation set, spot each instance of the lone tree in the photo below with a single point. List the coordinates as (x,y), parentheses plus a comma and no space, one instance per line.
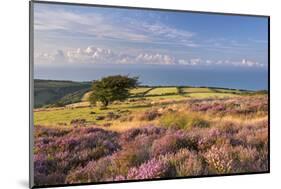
(112,88)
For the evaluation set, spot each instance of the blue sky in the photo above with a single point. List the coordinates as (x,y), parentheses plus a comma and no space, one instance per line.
(79,35)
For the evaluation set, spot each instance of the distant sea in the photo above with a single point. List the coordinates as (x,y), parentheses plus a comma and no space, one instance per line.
(238,78)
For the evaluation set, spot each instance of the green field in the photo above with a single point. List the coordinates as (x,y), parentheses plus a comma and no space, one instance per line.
(74,99)
(52,93)
(162,91)
(64,116)
(82,110)
(211,95)
(140,91)
(228,91)
(86,96)
(195,90)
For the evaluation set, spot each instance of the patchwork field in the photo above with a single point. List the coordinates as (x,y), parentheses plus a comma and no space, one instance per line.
(182,131)
(196,90)
(162,91)
(142,98)
(140,91)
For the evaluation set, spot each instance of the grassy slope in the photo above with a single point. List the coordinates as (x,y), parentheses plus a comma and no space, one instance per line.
(81,110)
(195,90)
(64,92)
(61,117)
(64,116)
(143,98)
(162,91)
(60,93)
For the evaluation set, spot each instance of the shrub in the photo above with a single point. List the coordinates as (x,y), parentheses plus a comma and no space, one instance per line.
(220,159)
(171,143)
(186,163)
(154,168)
(45,170)
(94,171)
(143,131)
(49,132)
(51,179)
(78,122)
(250,160)
(183,121)
(254,135)
(131,155)
(228,127)
(100,118)
(119,178)
(209,138)
(43,164)
(149,115)
(246,106)
(64,154)
(112,116)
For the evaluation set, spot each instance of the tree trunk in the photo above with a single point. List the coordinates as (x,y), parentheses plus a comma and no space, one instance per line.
(105,103)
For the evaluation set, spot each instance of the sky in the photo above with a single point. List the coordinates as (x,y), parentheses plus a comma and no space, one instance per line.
(78,35)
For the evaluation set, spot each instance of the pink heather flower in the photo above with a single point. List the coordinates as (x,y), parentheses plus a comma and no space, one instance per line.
(220,158)
(152,169)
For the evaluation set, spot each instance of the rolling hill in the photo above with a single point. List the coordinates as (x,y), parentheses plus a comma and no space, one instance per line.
(59,93)
(55,93)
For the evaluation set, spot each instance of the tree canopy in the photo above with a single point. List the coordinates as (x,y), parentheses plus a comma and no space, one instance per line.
(112,88)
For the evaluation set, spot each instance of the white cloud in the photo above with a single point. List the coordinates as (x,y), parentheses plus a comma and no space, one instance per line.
(249,63)
(183,62)
(157,58)
(59,55)
(86,24)
(63,22)
(168,32)
(240,63)
(195,61)
(209,62)
(91,54)
(97,55)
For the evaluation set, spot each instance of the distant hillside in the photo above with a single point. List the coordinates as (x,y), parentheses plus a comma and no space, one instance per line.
(54,93)
(59,93)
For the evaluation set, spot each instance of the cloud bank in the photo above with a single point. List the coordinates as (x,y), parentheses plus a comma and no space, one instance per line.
(98,55)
